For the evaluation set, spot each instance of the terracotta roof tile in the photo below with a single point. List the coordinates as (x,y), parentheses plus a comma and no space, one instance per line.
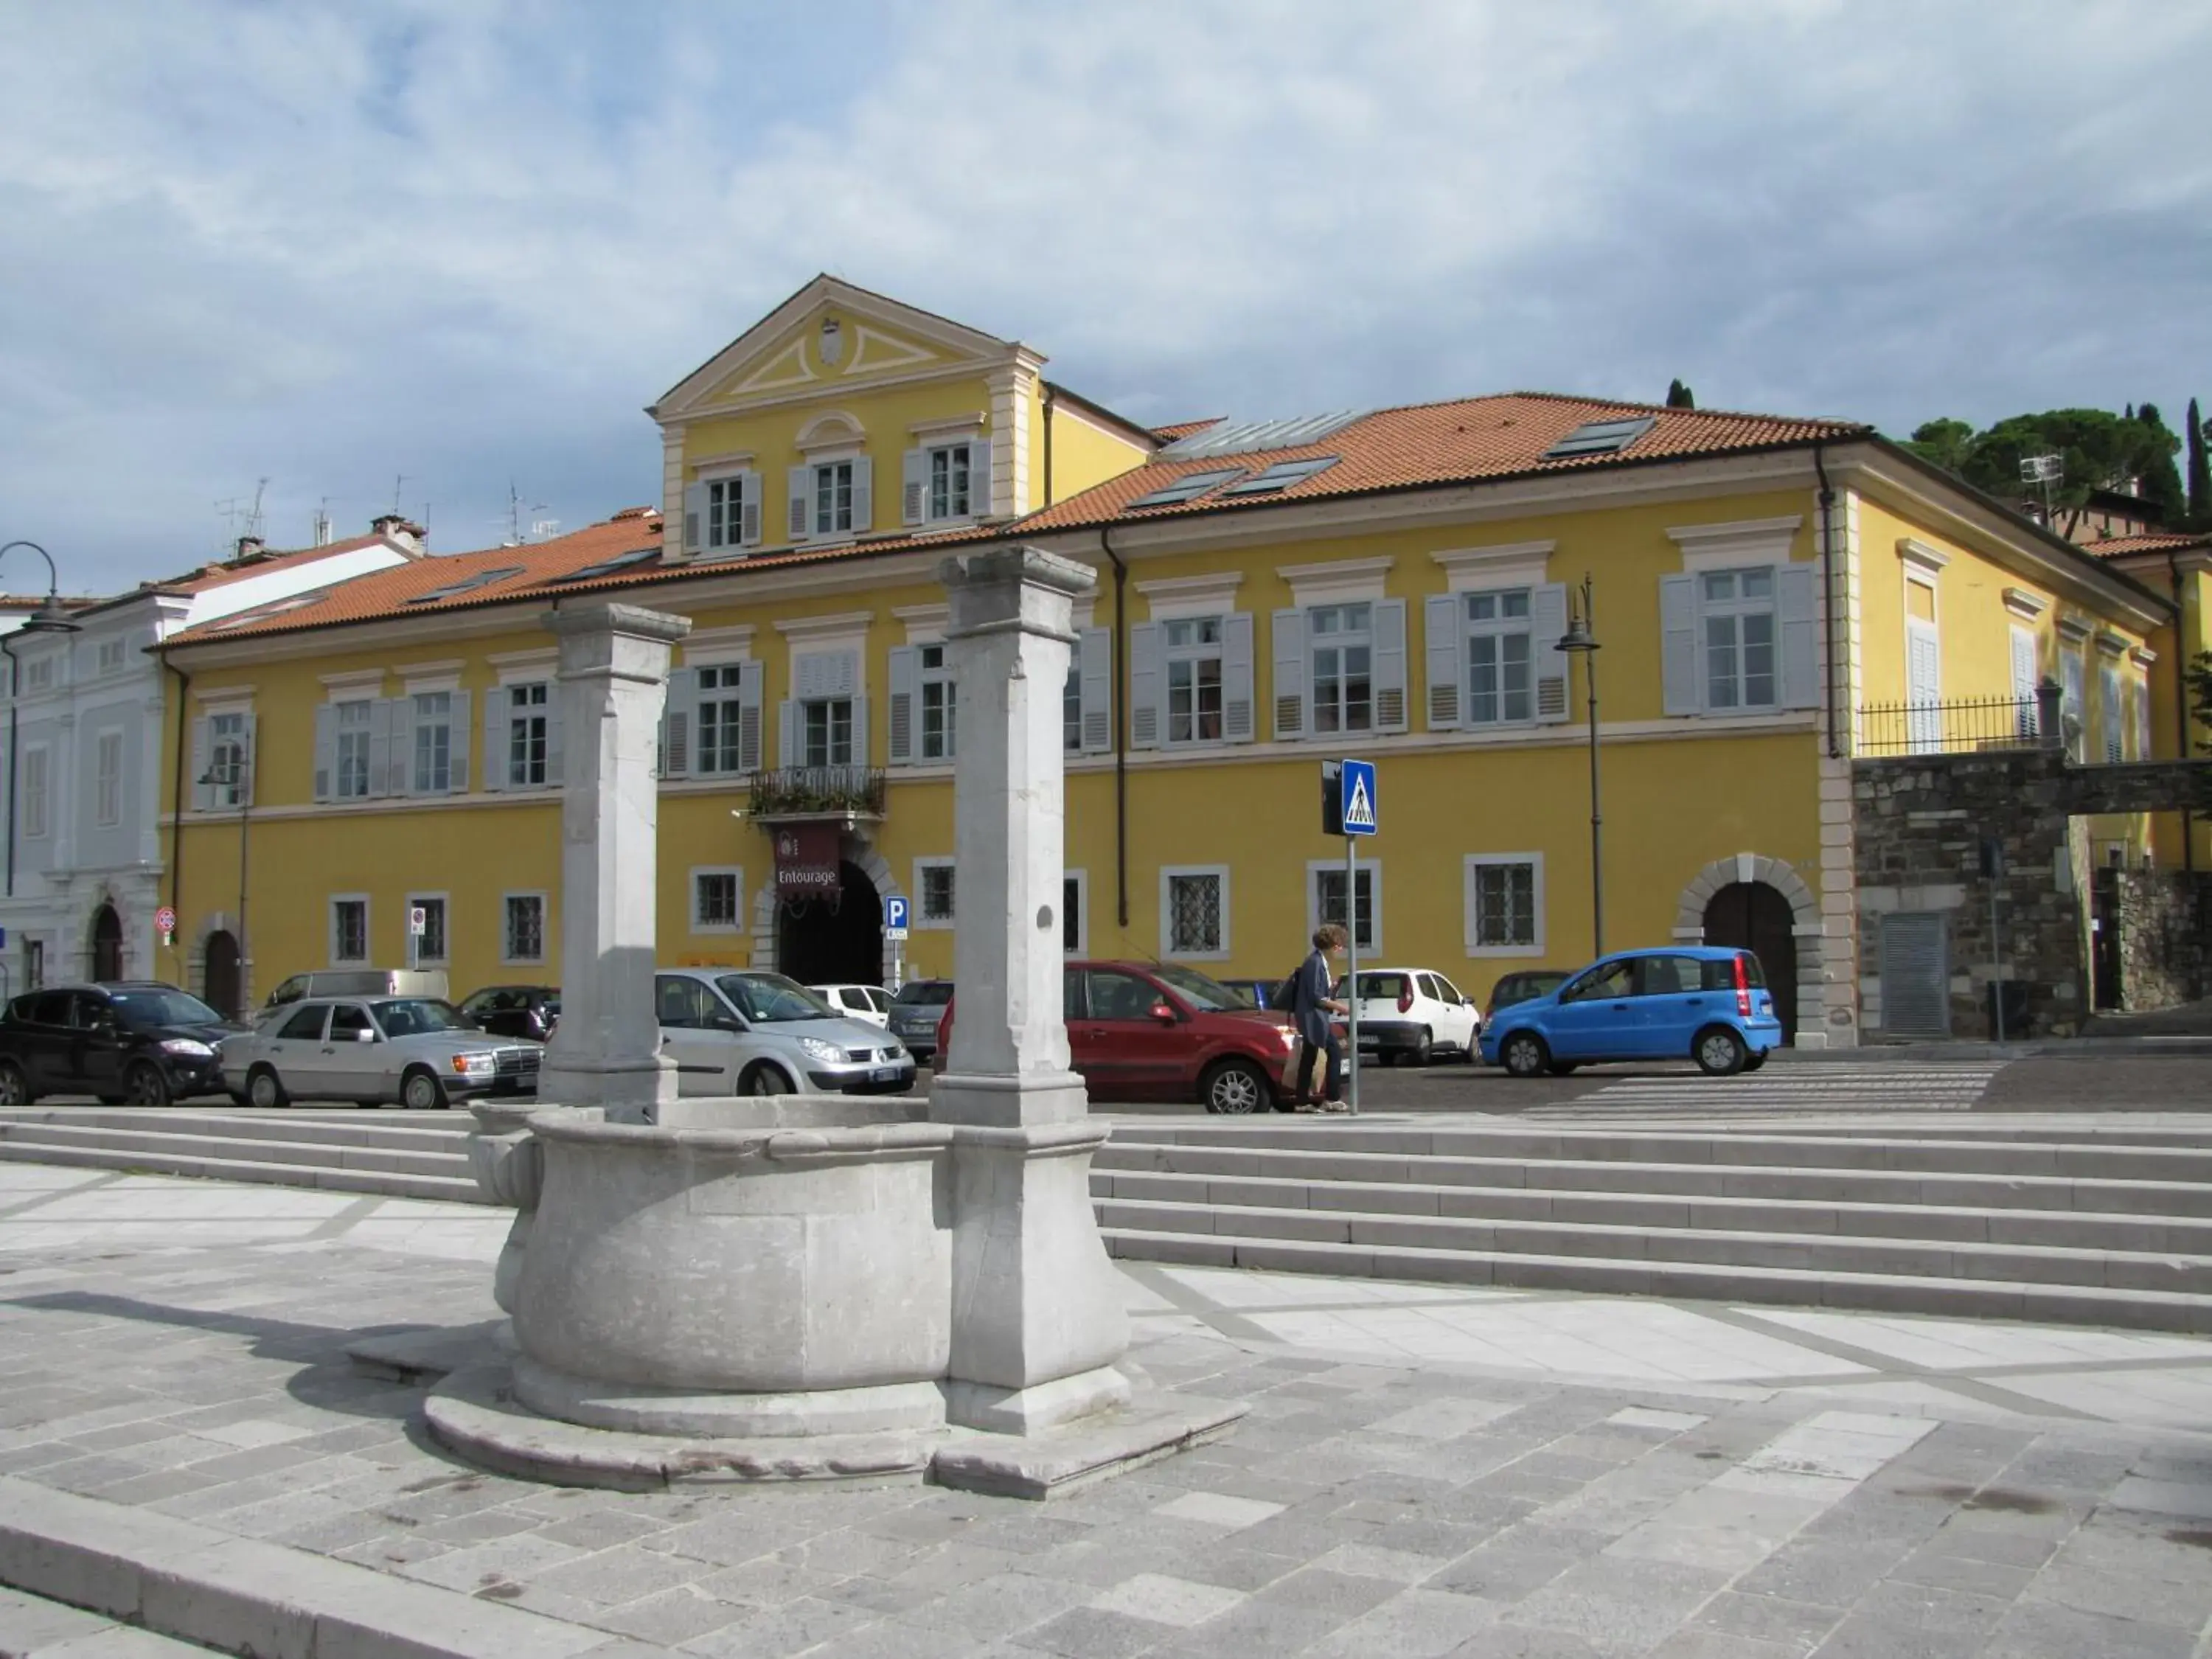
(1174,429)
(1465,441)
(2174,541)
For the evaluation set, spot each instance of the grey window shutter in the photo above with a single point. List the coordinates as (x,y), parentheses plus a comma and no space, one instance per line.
(676,717)
(326,748)
(555,760)
(979,477)
(1237,721)
(801,481)
(1095,666)
(1677,644)
(1547,620)
(1390,665)
(1147,686)
(913,488)
(248,737)
(1447,648)
(695,519)
(399,775)
(905,668)
(864,495)
(860,730)
(750,675)
(203,790)
(457,776)
(493,764)
(787,750)
(1796,595)
(1289,638)
(749,520)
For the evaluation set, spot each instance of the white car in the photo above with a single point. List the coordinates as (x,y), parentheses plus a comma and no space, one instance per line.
(870,1002)
(416,1050)
(737,1031)
(1407,1014)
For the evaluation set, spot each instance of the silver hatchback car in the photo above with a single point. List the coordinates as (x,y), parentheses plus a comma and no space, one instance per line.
(417,1051)
(737,1031)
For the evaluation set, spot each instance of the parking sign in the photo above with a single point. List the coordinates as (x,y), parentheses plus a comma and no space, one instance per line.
(894,915)
(1359,812)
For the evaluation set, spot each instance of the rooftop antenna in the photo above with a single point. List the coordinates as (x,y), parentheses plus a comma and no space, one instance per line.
(2046,471)
(322,534)
(245,520)
(539,527)
(397,479)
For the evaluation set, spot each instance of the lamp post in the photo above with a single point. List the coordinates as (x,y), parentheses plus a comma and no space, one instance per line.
(1580,642)
(48,618)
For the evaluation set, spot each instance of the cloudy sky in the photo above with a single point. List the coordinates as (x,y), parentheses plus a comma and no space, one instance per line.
(461,244)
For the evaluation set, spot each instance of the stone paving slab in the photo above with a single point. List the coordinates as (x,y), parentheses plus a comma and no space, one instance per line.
(1438,1472)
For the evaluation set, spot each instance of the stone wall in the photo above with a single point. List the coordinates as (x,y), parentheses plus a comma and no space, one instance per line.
(2166,938)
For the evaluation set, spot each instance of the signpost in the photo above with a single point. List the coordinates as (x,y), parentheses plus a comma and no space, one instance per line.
(418,923)
(1348,809)
(165,924)
(895,918)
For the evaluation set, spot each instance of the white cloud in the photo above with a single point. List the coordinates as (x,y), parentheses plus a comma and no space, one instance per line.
(466,245)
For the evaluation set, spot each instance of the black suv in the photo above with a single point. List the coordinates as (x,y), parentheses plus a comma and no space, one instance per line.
(515,1011)
(136,1041)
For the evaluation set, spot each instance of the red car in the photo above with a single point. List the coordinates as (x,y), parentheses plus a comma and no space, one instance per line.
(1157,1031)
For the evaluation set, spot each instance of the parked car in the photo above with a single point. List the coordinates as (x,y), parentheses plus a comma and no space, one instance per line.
(1406,1014)
(869,1002)
(1521,985)
(1259,993)
(360,982)
(1687,1002)
(1162,1031)
(515,1011)
(141,1041)
(417,1051)
(916,1011)
(744,1032)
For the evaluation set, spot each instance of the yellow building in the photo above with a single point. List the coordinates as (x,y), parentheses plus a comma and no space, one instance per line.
(1769,594)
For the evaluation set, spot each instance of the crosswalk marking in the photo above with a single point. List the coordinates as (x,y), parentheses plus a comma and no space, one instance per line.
(1848,1089)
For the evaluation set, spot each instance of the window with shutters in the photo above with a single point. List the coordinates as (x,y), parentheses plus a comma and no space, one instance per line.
(227,759)
(833,498)
(429,945)
(2108,693)
(34,792)
(1504,904)
(107,779)
(2142,719)
(39,674)
(348,929)
(725,512)
(110,655)
(2074,696)
(523,939)
(433,769)
(934,881)
(1325,901)
(717,896)
(935,689)
(1191,649)
(1071,707)
(952,482)
(826,731)
(356,721)
(720,739)
(1736,623)
(2027,716)
(527,732)
(1341,641)
(1500,657)
(1194,911)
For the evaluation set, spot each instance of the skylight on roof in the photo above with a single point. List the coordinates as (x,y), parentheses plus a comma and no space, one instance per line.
(264,613)
(1281,476)
(467,583)
(1248,437)
(1187,488)
(608,567)
(1600,437)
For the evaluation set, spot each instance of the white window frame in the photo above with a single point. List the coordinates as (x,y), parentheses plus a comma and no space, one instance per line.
(445,956)
(725,500)
(929,497)
(504,692)
(1470,925)
(419,726)
(2111,715)
(1372,870)
(115,648)
(2074,699)
(1196,654)
(365,732)
(1081,878)
(544,927)
(919,917)
(1710,609)
(107,783)
(226,797)
(367,930)
(824,519)
(736,872)
(925,678)
(38,799)
(1168,873)
(1500,628)
(38,673)
(725,698)
(1362,638)
(829,706)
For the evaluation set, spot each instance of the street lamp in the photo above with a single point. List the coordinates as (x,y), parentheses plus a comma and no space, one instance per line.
(47,619)
(1580,642)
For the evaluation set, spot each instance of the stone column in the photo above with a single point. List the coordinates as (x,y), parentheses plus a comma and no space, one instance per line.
(1038,1317)
(606,1050)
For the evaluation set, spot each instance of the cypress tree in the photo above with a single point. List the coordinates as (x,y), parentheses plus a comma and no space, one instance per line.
(1679,396)
(2199,473)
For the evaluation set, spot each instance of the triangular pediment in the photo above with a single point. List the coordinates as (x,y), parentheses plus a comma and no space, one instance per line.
(828,336)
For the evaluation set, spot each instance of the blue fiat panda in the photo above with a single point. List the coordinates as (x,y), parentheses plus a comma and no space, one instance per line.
(1687,1002)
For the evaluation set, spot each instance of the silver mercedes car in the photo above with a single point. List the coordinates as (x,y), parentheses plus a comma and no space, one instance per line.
(417,1051)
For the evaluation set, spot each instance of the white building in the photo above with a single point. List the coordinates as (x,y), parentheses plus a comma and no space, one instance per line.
(83,872)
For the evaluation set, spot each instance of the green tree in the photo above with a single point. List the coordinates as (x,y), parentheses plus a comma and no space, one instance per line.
(2199,473)
(2199,675)
(2158,478)
(2097,450)
(1944,443)
(1679,396)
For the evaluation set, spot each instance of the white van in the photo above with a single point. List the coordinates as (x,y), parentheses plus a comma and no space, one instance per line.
(362,982)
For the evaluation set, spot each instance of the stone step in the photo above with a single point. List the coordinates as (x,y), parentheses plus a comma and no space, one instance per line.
(2021,1264)
(452,1160)
(1924,1154)
(1702,1180)
(458,1189)
(428,1132)
(1687,1280)
(2066,1229)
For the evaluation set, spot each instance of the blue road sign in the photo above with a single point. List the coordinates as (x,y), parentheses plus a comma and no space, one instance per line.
(894,915)
(1359,814)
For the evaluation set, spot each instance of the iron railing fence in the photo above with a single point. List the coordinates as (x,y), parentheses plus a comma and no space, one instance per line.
(1963,726)
(819,791)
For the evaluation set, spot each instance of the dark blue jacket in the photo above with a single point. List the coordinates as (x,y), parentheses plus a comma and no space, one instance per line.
(1309,989)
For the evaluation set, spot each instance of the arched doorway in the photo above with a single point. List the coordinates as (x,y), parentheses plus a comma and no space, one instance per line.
(835,940)
(106,944)
(1752,916)
(221,975)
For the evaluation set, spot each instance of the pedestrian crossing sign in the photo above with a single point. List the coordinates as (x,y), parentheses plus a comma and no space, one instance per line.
(1358,785)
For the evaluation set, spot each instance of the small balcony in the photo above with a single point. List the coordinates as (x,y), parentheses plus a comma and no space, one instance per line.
(1965,727)
(818,795)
